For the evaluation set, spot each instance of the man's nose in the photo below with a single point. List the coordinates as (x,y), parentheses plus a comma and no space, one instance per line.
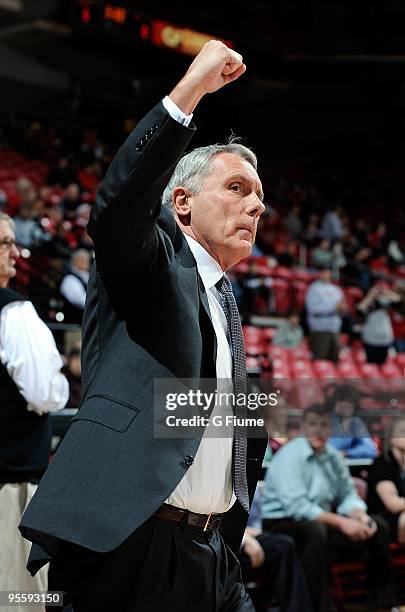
(15,251)
(255,206)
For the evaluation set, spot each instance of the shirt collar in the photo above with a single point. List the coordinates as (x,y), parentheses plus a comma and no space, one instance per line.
(208,268)
(309,451)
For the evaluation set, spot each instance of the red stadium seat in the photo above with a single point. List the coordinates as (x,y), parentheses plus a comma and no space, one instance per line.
(282,296)
(302,369)
(370,370)
(299,291)
(282,272)
(325,369)
(348,370)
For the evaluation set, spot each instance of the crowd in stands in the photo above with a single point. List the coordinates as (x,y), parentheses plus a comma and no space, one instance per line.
(48,182)
(317,272)
(322,515)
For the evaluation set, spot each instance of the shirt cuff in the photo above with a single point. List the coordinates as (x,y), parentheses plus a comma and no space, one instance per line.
(347,505)
(175,113)
(311,514)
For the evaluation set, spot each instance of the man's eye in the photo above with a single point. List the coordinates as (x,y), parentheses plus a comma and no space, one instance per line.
(235,187)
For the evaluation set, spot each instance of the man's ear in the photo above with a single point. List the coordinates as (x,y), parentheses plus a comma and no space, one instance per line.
(181,204)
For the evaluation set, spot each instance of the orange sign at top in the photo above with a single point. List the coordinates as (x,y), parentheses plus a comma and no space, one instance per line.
(116,14)
(181,39)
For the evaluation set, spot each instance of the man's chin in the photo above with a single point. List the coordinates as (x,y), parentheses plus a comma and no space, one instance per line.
(245,248)
(237,253)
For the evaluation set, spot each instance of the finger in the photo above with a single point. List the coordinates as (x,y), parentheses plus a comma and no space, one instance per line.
(236,57)
(228,69)
(232,64)
(234,75)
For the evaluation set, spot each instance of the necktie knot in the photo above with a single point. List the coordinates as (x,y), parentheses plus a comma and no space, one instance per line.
(224,285)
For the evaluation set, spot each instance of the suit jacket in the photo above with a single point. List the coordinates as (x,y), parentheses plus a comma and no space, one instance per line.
(146,317)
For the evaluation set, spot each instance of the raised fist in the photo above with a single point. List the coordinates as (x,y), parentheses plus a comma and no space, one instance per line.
(215,66)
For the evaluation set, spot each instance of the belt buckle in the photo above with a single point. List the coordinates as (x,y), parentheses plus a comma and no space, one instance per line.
(207,521)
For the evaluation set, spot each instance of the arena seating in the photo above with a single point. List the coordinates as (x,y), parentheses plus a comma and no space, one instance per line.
(297,363)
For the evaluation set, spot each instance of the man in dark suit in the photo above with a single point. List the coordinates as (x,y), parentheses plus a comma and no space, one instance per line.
(131,521)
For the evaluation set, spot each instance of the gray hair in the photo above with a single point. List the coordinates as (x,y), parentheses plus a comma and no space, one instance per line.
(10,221)
(193,168)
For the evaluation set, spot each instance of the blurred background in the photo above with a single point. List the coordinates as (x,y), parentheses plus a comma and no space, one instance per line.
(323,106)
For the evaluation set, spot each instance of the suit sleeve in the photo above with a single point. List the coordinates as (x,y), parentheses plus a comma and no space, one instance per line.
(123,220)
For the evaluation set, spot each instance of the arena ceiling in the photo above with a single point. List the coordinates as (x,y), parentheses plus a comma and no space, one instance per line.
(302,54)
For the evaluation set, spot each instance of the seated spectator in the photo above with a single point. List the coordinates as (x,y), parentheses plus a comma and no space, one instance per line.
(339,260)
(332,226)
(27,230)
(395,254)
(386,481)
(322,256)
(293,222)
(325,304)
(61,174)
(349,433)
(74,285)
(89,176)
(288,256)
(379,239)
(71,200)
(398,320)
(257,294)
(73,373)
(273,556)
(309,494)
(377,333)
(289,334)
(357,271)
(361,231)
(312,233)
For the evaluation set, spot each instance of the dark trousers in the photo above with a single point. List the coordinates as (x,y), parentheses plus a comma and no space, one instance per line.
(282,572)
(325,345)
(318,545)
(376,354)
(163,566)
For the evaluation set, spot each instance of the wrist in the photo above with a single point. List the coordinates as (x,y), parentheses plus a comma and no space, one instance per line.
(187,94)
(340,522)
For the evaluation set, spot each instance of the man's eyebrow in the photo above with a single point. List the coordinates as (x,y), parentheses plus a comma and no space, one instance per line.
(245,179)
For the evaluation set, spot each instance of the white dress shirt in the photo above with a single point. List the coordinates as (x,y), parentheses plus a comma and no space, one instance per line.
(28,350)
(207,485)
(72,289)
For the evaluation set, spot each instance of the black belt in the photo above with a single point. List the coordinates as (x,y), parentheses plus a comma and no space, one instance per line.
(208,522)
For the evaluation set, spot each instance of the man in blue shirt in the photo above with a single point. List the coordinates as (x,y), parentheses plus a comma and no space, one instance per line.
(309,495)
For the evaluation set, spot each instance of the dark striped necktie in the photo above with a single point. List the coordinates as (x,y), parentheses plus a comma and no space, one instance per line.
(237,344)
